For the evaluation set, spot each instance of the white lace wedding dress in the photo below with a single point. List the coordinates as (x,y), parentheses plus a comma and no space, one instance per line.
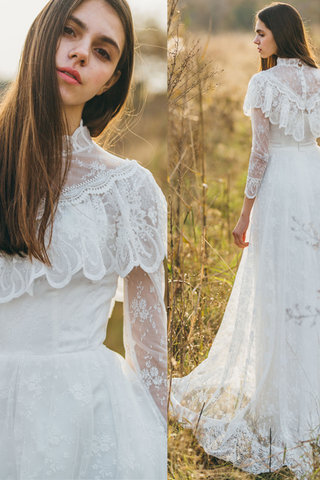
(70,408)
(255,401)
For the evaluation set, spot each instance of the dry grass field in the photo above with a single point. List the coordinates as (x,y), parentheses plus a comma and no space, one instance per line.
(205,198)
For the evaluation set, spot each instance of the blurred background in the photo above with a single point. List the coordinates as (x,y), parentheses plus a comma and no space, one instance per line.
(236,14)
(211,57)
(142,133)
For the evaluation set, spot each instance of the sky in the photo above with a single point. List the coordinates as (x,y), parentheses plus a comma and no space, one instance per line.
(16,16)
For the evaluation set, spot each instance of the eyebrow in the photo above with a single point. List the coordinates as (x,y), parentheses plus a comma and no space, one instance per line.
(102,38)
(259,30)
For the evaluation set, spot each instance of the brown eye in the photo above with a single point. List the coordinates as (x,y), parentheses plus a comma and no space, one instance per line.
(68,30)
(103,53)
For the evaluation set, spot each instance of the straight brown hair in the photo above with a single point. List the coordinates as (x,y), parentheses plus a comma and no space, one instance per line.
(33,169)
(288,31)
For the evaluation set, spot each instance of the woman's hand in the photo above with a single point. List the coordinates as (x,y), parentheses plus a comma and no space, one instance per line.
(239,232)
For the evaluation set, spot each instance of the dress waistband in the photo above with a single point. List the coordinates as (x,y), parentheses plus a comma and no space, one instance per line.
(294,146)
(33,354)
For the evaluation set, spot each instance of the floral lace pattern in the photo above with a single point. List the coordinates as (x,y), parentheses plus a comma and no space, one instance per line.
(79,416)
(145,331)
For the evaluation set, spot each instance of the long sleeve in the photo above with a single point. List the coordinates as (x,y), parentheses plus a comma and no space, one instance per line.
(259,151)
(145,336)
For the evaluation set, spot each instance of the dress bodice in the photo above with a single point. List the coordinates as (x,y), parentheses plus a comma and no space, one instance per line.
(58,320)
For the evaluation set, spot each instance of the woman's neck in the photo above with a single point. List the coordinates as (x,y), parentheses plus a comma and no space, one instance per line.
(73,116)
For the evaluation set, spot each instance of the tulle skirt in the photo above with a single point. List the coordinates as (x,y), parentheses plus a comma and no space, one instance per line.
(255,401)
(78,415)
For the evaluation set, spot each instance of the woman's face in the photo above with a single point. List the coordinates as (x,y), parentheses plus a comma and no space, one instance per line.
(264,40)
(87,55)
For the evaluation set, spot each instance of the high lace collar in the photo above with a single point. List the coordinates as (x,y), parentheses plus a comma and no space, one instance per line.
(80,139)
(290,61)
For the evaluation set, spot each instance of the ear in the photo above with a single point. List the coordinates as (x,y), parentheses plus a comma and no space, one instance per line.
(115,77)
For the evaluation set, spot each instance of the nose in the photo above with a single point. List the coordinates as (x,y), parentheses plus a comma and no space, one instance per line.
(80,53)
(256,39)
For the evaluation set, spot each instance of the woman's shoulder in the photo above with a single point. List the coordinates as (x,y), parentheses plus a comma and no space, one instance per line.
(98,172)
(132,177)
(255,91)
(92,161)
(120,166)
(259,79)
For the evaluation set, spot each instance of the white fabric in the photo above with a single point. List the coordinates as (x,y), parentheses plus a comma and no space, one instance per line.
(70,408)
(258,392)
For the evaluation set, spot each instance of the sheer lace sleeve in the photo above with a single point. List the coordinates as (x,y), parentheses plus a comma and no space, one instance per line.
(145,337)
(259,152)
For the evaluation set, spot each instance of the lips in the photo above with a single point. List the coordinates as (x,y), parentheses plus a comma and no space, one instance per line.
(70,73)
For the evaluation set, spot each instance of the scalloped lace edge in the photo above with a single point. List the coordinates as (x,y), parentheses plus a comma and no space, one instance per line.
(38,270)
(229,449)
(23,279)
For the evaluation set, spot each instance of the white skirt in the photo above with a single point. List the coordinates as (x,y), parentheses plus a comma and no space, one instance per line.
(79,415)
(255,401)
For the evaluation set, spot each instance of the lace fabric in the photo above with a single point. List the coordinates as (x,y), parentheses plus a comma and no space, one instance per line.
(87,412)
(145,335)
(286,96)
(108,219)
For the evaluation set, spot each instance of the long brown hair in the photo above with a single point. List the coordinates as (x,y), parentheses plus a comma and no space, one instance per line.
(32,125)
(288,31)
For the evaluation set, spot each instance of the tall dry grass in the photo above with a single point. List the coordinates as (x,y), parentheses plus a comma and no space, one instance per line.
(209,144)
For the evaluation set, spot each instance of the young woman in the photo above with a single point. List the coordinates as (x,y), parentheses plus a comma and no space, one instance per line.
(255,400)
(73,219)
